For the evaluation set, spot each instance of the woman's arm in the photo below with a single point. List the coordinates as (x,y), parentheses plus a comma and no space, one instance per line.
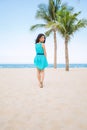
(43,45)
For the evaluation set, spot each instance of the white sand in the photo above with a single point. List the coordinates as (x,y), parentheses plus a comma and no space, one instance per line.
(60,105)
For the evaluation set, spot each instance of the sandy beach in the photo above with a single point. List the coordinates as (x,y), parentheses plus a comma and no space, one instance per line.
(60,105)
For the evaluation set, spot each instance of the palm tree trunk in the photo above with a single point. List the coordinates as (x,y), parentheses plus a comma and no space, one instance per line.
(66,55)
(55,50)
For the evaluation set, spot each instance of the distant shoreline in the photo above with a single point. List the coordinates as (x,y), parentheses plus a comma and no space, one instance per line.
(49,66)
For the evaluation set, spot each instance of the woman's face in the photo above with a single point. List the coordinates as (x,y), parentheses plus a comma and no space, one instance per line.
(42,39)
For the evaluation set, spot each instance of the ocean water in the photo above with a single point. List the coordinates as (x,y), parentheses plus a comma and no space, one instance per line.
(49,66)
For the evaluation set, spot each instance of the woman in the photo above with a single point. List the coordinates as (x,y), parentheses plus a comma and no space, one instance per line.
(40,59)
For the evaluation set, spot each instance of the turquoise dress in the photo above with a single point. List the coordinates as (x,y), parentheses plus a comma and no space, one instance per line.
(40,60)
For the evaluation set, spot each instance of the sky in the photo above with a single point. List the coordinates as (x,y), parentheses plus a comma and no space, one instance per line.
(17,41)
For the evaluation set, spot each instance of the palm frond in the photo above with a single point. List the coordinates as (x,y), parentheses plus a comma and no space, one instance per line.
(33,27)
(68,22)
(80,24)
(53,7)
(42,13)
(47,33)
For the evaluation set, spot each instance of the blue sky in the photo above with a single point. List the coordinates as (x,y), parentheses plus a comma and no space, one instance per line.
(17,41)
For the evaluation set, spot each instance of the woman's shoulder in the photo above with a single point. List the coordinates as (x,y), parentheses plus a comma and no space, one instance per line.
(43,45)
(37,43)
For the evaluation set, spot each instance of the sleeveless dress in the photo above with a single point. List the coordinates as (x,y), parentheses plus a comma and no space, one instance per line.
(40,60)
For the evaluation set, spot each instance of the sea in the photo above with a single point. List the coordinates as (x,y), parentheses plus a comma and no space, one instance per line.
(49,66)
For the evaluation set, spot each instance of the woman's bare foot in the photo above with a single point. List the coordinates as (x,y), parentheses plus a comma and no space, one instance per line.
(41,84)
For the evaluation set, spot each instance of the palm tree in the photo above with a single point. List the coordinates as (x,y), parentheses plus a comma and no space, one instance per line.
(48,15)
(68,24)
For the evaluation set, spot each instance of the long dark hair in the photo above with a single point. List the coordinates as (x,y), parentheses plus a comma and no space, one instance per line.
(38,37)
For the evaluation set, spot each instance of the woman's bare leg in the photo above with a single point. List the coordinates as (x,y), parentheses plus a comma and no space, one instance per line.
(42,77)
(39,75)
